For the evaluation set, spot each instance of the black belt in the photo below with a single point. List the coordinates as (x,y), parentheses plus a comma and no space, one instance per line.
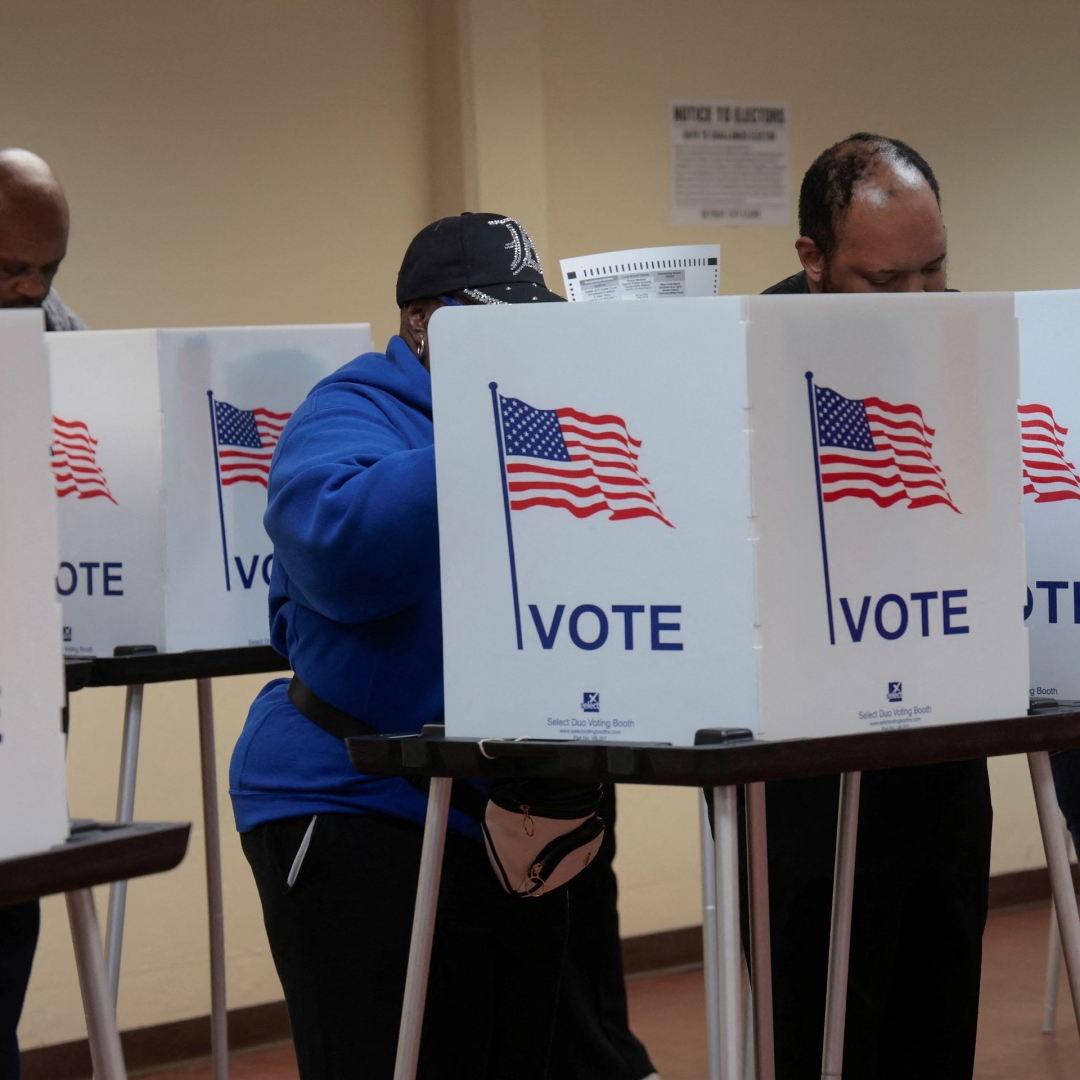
(329,717)
(463,796)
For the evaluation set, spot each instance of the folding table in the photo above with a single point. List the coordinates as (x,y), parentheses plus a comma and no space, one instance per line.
(724,759)
(94,854)
(134,668)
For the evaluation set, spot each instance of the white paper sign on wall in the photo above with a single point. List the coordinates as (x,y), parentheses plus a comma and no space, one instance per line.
(33,806)
(161,448)
(1050,437)
(633,545)
(730,162)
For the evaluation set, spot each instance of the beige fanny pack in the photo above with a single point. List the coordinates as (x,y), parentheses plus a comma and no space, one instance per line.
(541,833)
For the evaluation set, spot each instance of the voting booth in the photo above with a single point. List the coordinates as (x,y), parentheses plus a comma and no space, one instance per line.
(161,448)
(795,515)
(1049,415)
(33,806)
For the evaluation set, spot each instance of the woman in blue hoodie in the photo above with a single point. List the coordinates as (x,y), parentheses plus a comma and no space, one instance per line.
(355,606)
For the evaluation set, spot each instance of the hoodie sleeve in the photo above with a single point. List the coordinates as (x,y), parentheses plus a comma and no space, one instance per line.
(352,515)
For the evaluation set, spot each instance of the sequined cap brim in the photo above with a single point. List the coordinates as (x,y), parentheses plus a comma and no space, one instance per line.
(520,292)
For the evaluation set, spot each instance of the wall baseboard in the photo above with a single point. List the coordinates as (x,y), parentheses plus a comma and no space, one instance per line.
(682,948)
(662,951)
(1024,887)
(165,1045)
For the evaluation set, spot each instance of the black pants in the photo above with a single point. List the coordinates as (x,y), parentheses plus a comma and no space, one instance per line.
(18,939)
(593,1040)
(340,940)
(921,879)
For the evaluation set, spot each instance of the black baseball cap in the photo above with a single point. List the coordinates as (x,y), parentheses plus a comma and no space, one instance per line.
(489,257)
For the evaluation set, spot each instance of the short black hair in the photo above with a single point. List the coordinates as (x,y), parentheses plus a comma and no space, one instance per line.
(829,183)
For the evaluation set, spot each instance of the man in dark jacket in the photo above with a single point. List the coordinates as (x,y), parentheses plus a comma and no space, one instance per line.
(33,243)
(870,221)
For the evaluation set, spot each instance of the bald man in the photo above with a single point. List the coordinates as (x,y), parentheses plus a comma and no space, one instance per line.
(870,221)
(33,237)
(33,243)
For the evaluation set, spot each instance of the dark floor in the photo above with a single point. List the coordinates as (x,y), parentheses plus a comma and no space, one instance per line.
(668,1013)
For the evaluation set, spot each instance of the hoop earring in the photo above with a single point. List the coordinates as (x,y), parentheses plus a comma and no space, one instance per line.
(420,349)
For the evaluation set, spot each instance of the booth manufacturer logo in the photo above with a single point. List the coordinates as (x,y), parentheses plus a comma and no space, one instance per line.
(73,457)
(896,691)
(590,701)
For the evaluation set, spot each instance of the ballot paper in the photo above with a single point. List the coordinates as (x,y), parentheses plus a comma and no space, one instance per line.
(729,162)
(644,273)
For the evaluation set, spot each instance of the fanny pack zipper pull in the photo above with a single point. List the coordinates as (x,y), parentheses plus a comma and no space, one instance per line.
(535,884)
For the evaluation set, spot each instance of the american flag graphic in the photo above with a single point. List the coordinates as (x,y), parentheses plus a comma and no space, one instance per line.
(73,456)
(870,449)
(574,461)
(1047,474)
(245,441)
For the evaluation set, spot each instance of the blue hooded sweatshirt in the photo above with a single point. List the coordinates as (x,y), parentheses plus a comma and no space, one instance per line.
(354,593)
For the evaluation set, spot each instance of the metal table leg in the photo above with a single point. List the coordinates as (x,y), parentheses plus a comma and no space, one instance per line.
(1053,973)
(219,1022)
(729,946)
(847,831)
(105,1051)
(1057,859)
(757,868)
(708,936)
(1053,964)
(423,928)
(125,813)
(749,1065)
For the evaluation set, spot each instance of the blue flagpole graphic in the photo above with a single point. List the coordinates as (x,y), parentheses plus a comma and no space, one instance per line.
(820,501)
(220,501)
(506,506)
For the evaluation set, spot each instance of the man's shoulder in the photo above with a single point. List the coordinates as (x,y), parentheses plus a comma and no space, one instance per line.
(795,284)
(58,316)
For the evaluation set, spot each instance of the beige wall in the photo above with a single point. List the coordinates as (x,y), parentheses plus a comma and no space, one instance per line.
(986,93)
(266,161)
(252,161)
